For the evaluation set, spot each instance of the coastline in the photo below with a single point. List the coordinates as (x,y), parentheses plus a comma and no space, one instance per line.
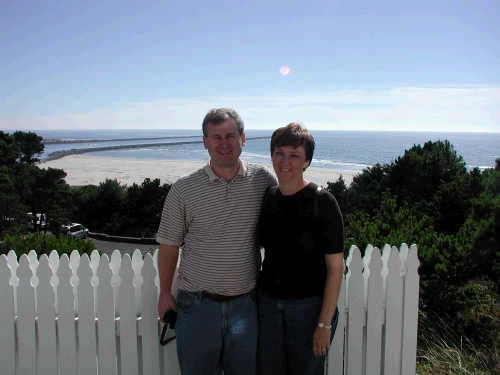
(92,170)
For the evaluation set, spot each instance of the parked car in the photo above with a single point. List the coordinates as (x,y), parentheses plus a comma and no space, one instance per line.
(40,221)
(75,230)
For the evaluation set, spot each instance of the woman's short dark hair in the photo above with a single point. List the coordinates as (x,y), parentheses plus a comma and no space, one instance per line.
(219,115)
(294,134)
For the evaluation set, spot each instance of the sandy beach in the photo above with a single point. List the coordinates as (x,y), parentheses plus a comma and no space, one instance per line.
(92,170)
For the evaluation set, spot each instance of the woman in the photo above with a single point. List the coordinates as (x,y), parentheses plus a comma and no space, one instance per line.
(303,265)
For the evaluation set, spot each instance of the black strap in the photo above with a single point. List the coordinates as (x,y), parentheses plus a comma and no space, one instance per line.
(316,201)
(169,318)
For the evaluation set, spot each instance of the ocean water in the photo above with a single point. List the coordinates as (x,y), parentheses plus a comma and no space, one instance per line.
(339,150)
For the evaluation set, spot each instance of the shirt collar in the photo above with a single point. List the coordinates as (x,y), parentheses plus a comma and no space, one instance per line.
(212,176)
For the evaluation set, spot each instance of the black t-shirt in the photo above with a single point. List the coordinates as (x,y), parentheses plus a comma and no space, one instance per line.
(296,241)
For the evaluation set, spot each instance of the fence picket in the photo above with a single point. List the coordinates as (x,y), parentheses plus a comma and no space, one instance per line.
(14,280)
(66,318)
(7,322)
(87,345)
(47,339)
(106,333)
(393,315)
(356,315)
(26,319)
(376,332)
(149,320)
(115,264)
(374,314)
(74,262)
(128,322)
(336,354)
(410,323)
(137,264)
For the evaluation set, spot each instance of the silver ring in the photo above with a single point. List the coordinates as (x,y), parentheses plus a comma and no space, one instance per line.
(323,349)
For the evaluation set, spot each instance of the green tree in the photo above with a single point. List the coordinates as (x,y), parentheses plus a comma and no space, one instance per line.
(141,208)
(29,145)
(9,151)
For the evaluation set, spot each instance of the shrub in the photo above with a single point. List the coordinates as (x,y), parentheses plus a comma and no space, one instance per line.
(43,244)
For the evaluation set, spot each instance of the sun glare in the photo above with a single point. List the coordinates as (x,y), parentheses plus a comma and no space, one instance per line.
(284,70)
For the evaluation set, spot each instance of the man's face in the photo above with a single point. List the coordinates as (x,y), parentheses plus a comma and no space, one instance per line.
(224,144)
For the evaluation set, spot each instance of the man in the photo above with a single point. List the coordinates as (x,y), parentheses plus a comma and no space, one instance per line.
(214,210)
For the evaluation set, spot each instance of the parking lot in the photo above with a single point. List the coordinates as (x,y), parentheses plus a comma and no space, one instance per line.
(107,247)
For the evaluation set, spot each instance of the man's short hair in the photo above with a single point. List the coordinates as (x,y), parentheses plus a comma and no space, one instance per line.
(294,134)
(218,115)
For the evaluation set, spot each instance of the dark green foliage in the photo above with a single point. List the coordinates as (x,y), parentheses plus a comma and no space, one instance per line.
(427,197)
(44,244)
(9,151)
(142,209)
(29,145)
(114,209)
(26,188)
(98,208)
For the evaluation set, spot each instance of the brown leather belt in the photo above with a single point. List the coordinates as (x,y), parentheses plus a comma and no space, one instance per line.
(218,297)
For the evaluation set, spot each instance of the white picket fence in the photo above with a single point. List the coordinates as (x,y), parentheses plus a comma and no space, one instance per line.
(76,315)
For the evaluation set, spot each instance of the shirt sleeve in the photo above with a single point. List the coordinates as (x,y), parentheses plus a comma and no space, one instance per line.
(331,217)
(173,218)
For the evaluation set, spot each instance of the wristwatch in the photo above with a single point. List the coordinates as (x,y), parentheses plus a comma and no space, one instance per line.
(322,325)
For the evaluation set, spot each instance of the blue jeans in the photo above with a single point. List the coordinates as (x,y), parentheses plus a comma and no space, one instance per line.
(286,328)
(211,333)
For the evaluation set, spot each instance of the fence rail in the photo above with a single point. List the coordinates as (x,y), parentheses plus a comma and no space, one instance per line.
(81,315)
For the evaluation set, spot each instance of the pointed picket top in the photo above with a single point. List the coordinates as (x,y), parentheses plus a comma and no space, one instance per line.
(94,259)
(394,262)
(64,271)
(104,272)
(137,264)
(74,260)
(115,264)
(44,270)
(126,271)
(366,269)
(350,255)
(403,252)
(74,263)
(386,253)
(33,258)
(24,271)
(155,262)
(413,262)
(84,271)
(354,265)
(13,264)
(403,256)
(54,260)
(148,271)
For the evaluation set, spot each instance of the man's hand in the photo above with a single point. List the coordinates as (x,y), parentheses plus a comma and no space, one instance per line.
(165,303)
(167,263)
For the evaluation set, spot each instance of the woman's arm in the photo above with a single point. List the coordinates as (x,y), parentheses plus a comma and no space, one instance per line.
(335,269)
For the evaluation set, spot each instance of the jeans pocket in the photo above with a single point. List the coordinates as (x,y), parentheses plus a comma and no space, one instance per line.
(185,301)
(254,297)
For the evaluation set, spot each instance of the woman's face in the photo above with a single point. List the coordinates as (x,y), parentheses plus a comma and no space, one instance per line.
(289,163)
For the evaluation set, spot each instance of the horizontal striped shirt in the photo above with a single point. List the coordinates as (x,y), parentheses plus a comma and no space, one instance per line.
(217,221)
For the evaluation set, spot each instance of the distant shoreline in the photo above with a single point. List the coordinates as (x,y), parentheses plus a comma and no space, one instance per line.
(93,170)
(76,151)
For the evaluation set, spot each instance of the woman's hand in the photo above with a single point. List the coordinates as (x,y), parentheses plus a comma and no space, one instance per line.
(321,341)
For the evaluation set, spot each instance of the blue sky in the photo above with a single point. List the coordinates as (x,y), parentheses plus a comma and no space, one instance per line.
(354,65)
